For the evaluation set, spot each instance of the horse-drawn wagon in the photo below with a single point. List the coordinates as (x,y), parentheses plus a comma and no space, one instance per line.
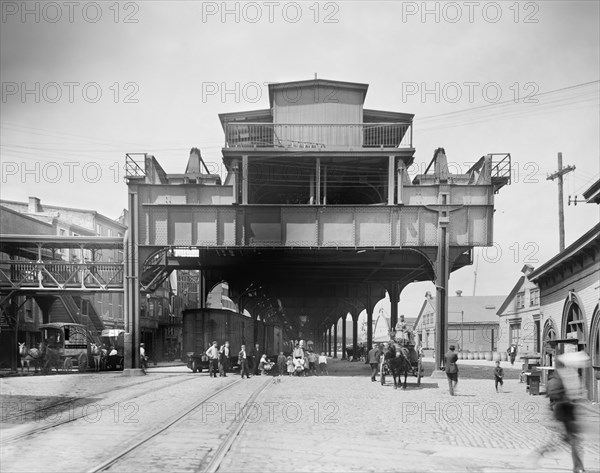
(402,358)
(66,346)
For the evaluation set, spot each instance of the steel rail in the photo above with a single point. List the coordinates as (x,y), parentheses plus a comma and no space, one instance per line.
(29,433)
(169,423)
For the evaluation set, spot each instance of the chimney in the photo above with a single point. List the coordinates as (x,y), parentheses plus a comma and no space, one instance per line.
(34,205)
(458,293)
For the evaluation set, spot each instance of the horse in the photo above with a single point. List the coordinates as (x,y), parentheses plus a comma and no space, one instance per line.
(48,357)
(97,353)
(26,357)
(400,364)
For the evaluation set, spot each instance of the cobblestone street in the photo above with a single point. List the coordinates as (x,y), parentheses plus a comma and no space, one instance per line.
(340,422)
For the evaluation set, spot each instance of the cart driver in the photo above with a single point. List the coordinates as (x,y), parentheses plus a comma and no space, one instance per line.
(404,334)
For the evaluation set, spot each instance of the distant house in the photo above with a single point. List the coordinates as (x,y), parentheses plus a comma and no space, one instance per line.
(520,316)
(472,322)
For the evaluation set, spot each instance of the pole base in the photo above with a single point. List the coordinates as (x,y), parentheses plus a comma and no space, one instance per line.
(438,374)
(133,372)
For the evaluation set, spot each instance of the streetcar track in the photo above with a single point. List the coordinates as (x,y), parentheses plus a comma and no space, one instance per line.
(75,399)
(221,451)
(31,432)
(215,463)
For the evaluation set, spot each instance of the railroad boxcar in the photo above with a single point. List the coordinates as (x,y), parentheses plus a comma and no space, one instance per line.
(202,326)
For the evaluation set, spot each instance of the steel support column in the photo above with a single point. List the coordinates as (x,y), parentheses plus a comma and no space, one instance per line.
(391,189)
(394,299)
(369,307)
(441,284)
(244,179)
(132,290)
(335,341)
(344,336)
(354,335)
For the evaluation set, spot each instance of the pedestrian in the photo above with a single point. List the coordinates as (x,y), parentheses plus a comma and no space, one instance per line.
(263,365)
(281,363)
(290,366)
(374,357)
(313,360)
(213,359)
(384,356)
(143,359)
(498,375)
(323,363)
(299,367)
(224,360)
(243,362)
(451,368)
(564,409)
(512,353)
(256,360)
(388,354)
(298,351)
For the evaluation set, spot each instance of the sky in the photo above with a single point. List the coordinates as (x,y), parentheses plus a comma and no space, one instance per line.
(83,83)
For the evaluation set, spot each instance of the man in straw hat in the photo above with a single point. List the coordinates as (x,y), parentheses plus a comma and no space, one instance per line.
(563,389)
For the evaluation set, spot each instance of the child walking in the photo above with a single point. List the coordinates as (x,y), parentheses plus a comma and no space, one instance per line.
(498,375)
(323,363)
(290,366)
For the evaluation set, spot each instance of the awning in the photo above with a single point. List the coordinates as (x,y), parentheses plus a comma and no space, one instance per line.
(111,333)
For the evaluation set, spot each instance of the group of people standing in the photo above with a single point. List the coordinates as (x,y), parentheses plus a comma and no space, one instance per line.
(249,361)
(302,362)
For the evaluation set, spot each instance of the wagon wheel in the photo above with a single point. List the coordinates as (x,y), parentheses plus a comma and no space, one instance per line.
(68,364)
(82,362)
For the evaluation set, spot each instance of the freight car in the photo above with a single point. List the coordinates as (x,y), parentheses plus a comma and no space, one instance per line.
(202,326)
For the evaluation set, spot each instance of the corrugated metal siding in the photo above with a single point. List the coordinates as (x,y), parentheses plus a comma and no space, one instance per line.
(319,105)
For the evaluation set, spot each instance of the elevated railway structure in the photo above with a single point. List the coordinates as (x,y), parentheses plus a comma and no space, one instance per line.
(317,213)
(317,209)
(33,265)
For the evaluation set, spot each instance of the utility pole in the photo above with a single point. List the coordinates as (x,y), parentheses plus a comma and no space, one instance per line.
(561,216)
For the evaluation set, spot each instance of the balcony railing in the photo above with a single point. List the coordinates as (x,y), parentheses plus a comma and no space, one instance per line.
(318,136)
(51,275)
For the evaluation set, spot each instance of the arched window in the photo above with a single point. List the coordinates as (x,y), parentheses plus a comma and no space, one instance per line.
(595,351)
(548,351)
(573,325)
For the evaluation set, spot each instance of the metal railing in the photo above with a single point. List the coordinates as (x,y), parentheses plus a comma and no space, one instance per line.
(318,136)
(48,275)
(134,166)
(501,169)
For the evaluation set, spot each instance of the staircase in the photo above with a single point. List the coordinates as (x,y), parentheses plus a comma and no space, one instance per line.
(95,322)
(61,312)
